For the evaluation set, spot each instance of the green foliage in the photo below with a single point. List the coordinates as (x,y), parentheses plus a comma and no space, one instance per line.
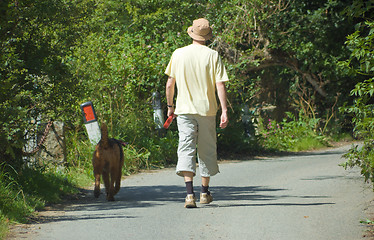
(367,221)
(79,156)
(275,46)
(55,55)
(156,152)
(3,226)
(292,134)
(47,185)
(122,62)
(12,199)
(361,62)
(362,157)
(58,54)
(242,129)
(24,191)
(35,37)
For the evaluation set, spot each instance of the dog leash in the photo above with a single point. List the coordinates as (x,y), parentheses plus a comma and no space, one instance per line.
(123,143)
(169,121)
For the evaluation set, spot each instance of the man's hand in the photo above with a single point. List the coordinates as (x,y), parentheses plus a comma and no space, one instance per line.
(221,90)
(170,111)
(224,120)
(170,86)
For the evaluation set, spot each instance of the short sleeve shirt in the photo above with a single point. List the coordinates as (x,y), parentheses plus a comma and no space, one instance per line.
(196,70)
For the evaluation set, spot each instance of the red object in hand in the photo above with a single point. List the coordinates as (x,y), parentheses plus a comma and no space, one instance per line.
(168,121)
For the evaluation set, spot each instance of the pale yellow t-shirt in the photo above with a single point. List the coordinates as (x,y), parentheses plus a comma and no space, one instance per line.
(196,70)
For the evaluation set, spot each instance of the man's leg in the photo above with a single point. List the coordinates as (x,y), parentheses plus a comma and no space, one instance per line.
(205,196)
(207,146)
(187,129)
(188,180)
(205,182)
(186,166)
(190,199)
(207,155)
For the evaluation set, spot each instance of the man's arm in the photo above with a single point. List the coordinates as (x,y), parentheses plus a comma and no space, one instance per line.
(170,87)
(221,92)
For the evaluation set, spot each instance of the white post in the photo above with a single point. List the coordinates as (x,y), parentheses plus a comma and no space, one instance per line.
(90,121)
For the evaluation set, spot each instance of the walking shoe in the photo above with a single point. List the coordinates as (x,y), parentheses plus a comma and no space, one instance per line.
(190,201)
(205,198)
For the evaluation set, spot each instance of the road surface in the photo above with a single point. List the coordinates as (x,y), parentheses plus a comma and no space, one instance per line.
(298,197)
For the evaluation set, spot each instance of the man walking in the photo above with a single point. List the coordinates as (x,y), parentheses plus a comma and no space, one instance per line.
(198,73)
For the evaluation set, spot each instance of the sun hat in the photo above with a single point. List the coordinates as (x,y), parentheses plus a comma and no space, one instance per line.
(200,30)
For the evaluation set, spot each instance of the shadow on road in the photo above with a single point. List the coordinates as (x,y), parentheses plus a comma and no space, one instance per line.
(256,196)
(89,208)
(335,151)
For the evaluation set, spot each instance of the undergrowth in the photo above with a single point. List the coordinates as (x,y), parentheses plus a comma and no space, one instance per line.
(292,134)
(26,190)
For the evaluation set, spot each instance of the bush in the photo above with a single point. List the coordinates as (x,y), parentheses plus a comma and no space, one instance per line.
(363,157)
(291,134)
(28,189)
(13,205)
(361,63)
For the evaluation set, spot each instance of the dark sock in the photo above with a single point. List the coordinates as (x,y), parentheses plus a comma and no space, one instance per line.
(204,189)
(189,187)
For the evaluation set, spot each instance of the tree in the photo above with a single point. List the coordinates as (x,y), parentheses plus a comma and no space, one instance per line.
(295,44)
(361,65)
(36,36)
(58,54)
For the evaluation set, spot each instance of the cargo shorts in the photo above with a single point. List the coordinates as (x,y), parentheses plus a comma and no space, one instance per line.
(197,138)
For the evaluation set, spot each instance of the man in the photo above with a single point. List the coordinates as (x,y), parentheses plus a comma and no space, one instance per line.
(198,73)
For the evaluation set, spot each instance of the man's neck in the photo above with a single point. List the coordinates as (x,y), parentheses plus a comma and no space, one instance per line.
(198,42)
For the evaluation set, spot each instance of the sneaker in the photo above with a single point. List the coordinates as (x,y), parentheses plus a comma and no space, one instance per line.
(205,198)
(190,201)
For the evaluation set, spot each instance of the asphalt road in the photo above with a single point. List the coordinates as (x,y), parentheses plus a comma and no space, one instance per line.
(298,197)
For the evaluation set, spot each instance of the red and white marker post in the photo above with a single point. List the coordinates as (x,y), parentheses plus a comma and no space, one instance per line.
(90,121)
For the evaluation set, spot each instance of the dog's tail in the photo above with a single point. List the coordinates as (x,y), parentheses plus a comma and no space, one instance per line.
(104,136)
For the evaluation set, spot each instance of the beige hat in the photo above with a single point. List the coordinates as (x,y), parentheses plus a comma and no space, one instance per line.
(200,30)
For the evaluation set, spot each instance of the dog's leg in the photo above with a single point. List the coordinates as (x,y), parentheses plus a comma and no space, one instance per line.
(120,165)
(97,173)
(113,178)
(97,185)
(106,180)
(118,181)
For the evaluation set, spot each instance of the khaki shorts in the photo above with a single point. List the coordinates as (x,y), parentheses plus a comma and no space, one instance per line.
(197,136)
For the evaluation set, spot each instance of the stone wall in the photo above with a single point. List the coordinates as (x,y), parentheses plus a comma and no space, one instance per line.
(53,150)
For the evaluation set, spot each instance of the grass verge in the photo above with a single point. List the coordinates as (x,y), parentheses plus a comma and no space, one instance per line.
(24,191)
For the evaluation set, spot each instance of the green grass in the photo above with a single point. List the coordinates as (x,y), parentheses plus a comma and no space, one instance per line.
(341,137)
(3,227)
(291,135)
(307,143)
(26,190)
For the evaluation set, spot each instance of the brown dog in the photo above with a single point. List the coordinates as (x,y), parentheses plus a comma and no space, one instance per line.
(108,161)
